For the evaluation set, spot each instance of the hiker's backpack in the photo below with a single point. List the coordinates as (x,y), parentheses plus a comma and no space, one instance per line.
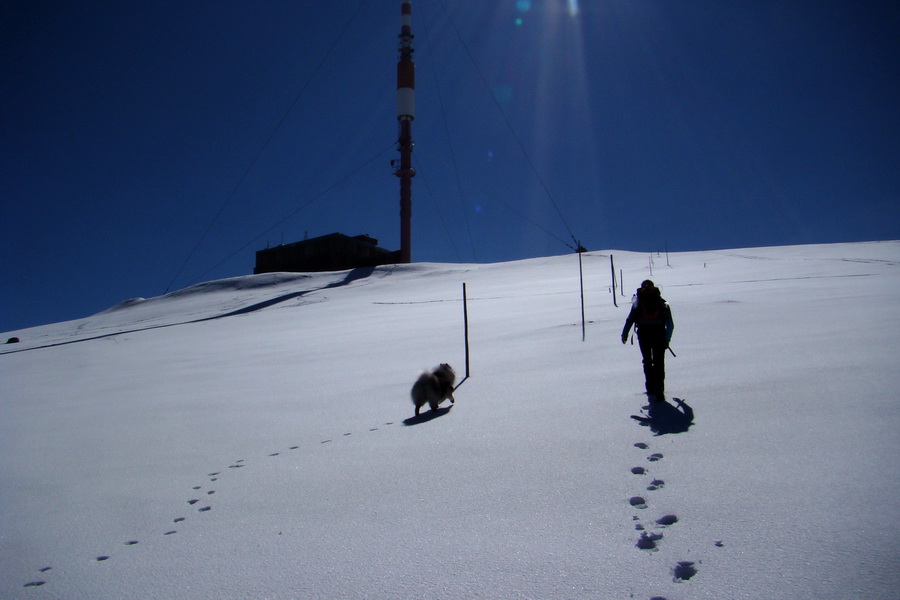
(650,307)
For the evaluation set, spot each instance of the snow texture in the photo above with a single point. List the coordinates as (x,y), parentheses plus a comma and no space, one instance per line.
(253,437)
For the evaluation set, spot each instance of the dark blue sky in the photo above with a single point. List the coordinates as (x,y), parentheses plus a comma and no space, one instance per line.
(147,146)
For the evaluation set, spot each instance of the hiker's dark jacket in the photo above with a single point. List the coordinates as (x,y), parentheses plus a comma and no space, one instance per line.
(655,320)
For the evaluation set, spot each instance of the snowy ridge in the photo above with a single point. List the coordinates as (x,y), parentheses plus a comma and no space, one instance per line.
(253,437)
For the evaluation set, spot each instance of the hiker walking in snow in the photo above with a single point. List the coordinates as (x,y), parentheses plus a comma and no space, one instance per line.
(652,319)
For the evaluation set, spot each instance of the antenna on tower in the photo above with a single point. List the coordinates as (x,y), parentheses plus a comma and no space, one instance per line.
(406,105)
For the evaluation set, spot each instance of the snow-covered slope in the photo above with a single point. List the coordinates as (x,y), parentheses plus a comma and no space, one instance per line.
(251,437)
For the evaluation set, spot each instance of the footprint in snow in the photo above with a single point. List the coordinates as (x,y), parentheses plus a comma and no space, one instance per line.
(638,470)
(240,463)
(641,445)
(38,582)
(683,571)
(237,464)
(654,457)
(667,520)
(649,540)
(638,502)
(655,485)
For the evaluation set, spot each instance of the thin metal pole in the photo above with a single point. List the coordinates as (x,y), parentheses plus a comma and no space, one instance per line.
(466,326)
(581,282)
(612,268)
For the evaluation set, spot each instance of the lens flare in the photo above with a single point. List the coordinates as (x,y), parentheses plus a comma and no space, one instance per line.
(522,6)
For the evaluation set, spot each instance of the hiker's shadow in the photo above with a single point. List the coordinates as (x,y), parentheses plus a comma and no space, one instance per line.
(663,418)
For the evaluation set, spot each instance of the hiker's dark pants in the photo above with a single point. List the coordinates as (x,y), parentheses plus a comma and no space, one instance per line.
(653,345)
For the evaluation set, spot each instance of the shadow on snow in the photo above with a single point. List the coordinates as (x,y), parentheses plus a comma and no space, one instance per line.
(353,275)
(427,416)
(663,418)
(433,414)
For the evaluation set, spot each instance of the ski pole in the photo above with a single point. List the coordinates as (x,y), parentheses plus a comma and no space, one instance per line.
(669,348)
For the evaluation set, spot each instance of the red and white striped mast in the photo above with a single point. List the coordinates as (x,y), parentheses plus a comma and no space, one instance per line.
(406,105)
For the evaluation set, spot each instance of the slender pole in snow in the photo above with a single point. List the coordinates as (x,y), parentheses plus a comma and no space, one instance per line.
(612,268)
(581,282)
(466,327)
